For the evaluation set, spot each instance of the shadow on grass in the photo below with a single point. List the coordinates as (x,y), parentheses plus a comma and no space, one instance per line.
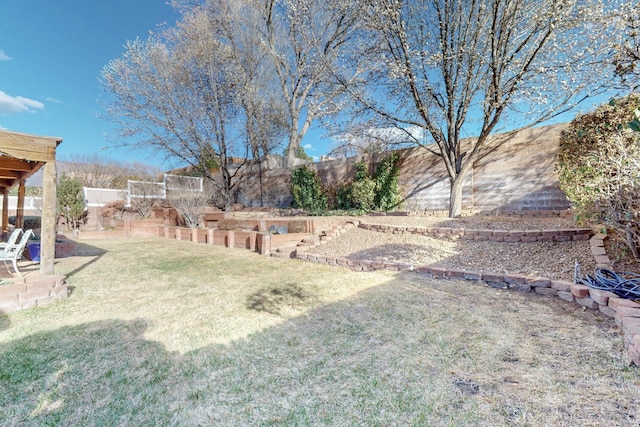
(5,322)
(397,354)
(85,250)
(280,299)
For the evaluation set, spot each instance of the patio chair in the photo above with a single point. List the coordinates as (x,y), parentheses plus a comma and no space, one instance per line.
(13,238)
(14,252)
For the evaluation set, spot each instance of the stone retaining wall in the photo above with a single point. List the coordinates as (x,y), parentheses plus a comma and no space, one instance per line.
(527,236)
(26,293)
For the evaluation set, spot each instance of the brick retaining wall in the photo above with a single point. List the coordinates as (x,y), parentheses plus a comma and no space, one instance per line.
(26,292)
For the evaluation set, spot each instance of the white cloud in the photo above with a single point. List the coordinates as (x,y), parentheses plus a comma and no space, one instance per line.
(4,56)
(54,100)
(18,104)
(308,147)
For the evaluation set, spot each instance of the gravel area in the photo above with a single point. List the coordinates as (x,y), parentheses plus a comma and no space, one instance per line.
(486,222)
(554,260)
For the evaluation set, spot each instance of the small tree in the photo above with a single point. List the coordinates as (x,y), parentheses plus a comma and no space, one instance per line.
(190,201)
(599,168)
(143,196)
(362,192)
(71,203)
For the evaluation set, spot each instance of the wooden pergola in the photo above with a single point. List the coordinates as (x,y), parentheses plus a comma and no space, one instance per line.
(21,156)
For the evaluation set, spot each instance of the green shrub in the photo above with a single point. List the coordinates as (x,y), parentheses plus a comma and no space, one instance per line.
(386,180)
(307,190)
(599,168)
(362,193)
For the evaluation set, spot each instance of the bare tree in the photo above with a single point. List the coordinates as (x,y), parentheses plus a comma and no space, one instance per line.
(144,195)
(190,201)
(305,40)
(176,93)
(96,171)
(459,68)
(627,57)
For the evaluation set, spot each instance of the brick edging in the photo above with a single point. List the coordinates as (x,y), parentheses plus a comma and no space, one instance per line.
(626,313)
(509,236)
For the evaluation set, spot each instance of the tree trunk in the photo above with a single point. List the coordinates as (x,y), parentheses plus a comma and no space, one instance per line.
(455,197)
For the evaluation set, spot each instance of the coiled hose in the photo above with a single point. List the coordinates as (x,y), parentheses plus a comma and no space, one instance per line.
(625,285)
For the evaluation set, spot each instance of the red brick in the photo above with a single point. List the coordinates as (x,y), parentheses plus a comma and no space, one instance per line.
(584,232)
(545,238)
(455,273)
(631,325)
(587,302)
(500,233)
(39,286)
(598,250)
(515,279)
(34,295)
(579,291)
(546,291)
(485,233)
(378,265)
(9,290)
(512,239)
(404,266)
(567,296)
(540,282)
(528,239)
(520,288)
(468,232)
(492,277)
(60,291)
(602,259)
(601,297)
(562,238)
(533,233)
(581,237)
(621,302)
(628,312)
(473,275)
(607,310)
(423,269)
(439,272)
(516,233)
(561,285)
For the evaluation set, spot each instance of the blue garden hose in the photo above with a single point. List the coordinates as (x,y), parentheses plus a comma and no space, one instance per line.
(625,285)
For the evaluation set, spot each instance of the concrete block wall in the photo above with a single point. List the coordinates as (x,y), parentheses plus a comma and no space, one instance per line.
(514,172)
(24,293)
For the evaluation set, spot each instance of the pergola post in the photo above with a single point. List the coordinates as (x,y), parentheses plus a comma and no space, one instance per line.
(20,208)
(48,225)
(5,212)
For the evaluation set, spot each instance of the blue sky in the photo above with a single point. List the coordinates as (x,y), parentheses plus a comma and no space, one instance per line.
(51,55)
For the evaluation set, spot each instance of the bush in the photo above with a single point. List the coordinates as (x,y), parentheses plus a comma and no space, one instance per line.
(599,168)
(307,191)
(386,180)
(362,193)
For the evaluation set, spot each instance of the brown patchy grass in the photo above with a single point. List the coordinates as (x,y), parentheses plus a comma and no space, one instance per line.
(175,333)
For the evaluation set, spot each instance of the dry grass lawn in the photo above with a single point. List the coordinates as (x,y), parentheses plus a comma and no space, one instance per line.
(163,332)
